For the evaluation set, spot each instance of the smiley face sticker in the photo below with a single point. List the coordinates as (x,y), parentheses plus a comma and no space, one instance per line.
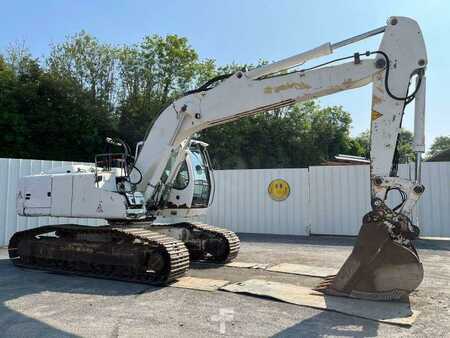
(279,189)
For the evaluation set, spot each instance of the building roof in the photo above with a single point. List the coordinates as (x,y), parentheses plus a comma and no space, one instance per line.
(342,159)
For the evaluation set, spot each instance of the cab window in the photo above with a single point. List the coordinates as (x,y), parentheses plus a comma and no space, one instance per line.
(202,186)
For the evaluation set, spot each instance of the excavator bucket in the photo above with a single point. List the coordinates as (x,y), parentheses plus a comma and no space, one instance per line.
(377,269)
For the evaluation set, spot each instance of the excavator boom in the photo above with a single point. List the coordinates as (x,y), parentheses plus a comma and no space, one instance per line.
(384,263)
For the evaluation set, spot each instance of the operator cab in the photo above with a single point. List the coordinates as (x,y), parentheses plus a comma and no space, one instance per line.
(192,185)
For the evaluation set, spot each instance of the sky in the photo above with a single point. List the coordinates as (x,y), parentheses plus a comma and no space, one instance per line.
(245,32)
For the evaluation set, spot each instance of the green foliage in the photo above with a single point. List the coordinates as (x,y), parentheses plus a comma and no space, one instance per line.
(405,147)
(302,135)
(63,107)
(440,144)
(88,63)
(153,73)
(46,117)
(362,143)
(12,123)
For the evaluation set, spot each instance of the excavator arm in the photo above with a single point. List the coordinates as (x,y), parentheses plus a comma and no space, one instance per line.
(384,263)
(400,56)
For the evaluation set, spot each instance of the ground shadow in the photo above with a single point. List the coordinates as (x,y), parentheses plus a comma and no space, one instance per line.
(205,265)
(18,282)
(427,243)
(433,244)
(295,239)
(328,323)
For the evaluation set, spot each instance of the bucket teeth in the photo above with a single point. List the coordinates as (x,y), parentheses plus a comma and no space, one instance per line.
(326,282)
(323,285)
(327,278)
(377,269)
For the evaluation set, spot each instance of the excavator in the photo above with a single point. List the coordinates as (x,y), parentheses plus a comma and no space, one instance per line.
(154,200)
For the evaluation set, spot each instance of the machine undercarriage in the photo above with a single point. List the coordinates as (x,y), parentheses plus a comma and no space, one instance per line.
(137,252)
(128,254)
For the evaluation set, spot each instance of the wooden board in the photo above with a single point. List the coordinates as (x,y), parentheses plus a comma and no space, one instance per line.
(305,270)
(246,265)
(204,284)
(398,313)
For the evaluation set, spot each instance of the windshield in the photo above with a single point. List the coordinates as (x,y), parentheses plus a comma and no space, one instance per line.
(202,185)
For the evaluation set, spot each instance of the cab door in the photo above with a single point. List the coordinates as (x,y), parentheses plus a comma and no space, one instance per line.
(202,178)
(192,185)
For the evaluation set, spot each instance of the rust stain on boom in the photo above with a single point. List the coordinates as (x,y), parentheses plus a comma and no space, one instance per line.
(286,86)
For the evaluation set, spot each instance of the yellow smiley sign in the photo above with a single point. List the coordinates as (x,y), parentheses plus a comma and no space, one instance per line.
(279,189)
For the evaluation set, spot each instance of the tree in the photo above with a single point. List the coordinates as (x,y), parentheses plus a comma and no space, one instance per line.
(363,144)
(405,147)
(91,64)
(440,144)
(298,136)
(62,122)
(152,75)
(86,68)
(46,116)
(64,108)
(87,90)
(12,123)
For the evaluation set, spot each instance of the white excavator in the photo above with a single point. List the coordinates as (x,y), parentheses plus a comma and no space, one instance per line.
(154,201)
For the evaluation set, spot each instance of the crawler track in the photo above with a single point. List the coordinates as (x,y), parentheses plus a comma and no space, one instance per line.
(229,237)
(132,254)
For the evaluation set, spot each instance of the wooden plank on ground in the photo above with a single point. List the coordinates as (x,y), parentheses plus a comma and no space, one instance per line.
(305,270)
(398,313)
(204,284)
(246,265)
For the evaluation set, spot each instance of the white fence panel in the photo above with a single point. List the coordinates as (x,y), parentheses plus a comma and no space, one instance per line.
(340,196)
(322,200)
(434,206)
(242,202)
(10,171)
